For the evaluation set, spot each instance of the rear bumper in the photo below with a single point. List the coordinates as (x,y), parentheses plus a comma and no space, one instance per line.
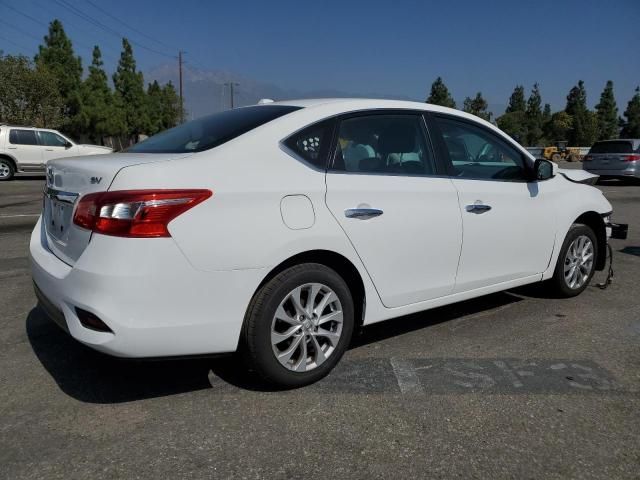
(147,293)
(631,171)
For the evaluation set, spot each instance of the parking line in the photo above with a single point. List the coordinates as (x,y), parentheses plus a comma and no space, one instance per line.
(21,215)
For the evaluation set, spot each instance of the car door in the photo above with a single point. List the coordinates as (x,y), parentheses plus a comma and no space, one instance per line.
(23,145)
(54,145)
(508,219)
(402,218)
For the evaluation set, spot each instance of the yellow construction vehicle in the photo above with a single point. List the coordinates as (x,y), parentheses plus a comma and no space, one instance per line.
(561,152)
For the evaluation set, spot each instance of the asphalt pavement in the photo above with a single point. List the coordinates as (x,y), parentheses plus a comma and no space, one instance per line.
(512,385)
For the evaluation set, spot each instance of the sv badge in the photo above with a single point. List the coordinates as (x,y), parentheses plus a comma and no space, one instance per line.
(95,180)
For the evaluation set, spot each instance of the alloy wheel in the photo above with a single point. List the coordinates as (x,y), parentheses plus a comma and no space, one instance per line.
(306,327)
(578,262)
(5,169)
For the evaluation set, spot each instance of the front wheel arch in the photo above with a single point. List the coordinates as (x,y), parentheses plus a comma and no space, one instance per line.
(595,221)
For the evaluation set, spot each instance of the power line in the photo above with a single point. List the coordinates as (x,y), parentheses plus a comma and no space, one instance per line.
(21,47)
(126,25)
(21,31)
(100,25)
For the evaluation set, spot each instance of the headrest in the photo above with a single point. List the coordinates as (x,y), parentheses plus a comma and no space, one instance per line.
(398,138)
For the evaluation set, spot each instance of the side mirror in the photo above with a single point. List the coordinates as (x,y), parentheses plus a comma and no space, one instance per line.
(544,169)
(68,145)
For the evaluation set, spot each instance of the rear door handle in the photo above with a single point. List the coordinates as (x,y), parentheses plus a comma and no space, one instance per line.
(362,213)
(478,208)
(12,148)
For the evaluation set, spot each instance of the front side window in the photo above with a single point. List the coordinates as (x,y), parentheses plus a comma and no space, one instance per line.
(312,143)
(23,137)
(211,131)
(476,153)
(51,139)
(387,144)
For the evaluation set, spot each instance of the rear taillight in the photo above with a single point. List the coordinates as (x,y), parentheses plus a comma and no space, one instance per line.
(135,213)
(631,158)
(587,158)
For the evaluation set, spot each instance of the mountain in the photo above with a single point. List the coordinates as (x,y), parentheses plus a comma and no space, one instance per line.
(204,90)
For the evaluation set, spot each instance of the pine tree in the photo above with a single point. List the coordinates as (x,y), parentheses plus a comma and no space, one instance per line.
(154,108)
(631,126)
(57,56)
(170,106)
(517,103)
(534,117)
(130,93)
(440,94)
(546,122)
(607,112)
(101,115)
(477,106)
(583,127)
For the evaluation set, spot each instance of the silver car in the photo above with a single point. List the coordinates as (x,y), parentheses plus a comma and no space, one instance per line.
(614,158)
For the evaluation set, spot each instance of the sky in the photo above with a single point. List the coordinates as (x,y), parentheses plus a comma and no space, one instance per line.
(395,47)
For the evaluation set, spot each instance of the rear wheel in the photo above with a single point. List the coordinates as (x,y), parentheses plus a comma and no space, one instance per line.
(298,325)
(6,169)
(576,263)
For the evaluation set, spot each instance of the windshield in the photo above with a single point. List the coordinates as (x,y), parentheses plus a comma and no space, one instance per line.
(612,147)
(212,130)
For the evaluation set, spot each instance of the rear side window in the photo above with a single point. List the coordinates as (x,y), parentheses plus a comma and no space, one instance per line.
(23,137)
(612,147)
(211,131)
(312,143)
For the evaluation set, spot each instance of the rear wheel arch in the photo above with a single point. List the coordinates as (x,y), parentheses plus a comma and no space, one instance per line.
(595,221)
(335,261)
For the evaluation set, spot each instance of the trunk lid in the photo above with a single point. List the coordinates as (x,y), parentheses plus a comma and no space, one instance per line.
(67,180)
(609,155)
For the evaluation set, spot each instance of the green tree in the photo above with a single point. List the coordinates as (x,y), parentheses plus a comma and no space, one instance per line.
(583,125)
(170,106)
(517,103)
(154,108)
(57,56)
(546,122)
(130,93)
(29,94)
(607,112)
(440,95)
(559,126)
(631,126)
(101,116)
(534,121)
(477,106)
(514,124)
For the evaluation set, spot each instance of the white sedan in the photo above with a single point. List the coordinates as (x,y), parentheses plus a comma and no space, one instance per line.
(275,230)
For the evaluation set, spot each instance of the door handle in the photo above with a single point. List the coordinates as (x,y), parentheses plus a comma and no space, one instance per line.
(362,213)
(478,208)
(49,149)
(12,148)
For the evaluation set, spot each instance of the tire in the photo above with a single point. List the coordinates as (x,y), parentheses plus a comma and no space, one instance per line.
(556,157)
(561,284)
(272,315)
(6,170)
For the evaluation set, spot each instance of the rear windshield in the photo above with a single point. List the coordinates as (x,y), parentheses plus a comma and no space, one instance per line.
(612,147)
(211,131)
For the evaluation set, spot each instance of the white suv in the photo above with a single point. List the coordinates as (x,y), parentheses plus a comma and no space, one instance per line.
(27,149)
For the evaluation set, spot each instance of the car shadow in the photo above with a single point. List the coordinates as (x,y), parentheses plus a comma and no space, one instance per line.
(618,182)
(92,377)
(23,176)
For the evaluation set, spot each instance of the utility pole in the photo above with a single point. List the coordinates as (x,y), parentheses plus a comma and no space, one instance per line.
(231,85)
(180,53)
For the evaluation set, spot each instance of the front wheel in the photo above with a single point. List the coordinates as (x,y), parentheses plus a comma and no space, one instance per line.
(298,325)
(576,262)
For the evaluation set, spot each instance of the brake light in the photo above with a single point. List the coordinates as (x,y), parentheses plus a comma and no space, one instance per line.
(135,213)
(631,158)
(587,158)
